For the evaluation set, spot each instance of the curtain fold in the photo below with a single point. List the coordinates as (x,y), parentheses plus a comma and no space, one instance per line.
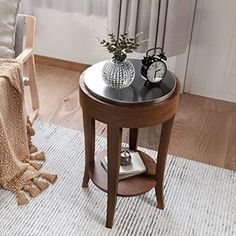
(86,7)
(143,16)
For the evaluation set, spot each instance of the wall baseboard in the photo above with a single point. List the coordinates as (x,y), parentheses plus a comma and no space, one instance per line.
(67,65)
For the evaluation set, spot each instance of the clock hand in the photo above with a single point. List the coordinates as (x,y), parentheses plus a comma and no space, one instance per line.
(156,72)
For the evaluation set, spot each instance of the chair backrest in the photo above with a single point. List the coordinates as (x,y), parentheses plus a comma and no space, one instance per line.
(25,33)
(20,34)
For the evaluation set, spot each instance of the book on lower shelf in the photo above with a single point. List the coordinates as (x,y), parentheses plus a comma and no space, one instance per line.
(135,168)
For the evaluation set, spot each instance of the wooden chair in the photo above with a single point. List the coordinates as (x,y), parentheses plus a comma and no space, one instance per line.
(24,44)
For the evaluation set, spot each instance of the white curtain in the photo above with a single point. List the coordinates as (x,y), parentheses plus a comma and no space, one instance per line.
(86,7)
(143,16)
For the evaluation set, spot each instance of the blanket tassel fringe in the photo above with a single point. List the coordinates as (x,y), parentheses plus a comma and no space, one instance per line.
(36,185)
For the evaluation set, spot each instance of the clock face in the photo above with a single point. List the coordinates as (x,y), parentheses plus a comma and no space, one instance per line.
(156,71)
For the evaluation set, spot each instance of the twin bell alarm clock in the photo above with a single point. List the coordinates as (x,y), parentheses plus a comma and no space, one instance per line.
(153,66)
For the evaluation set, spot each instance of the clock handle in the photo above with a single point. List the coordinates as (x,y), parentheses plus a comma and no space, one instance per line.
(162,53)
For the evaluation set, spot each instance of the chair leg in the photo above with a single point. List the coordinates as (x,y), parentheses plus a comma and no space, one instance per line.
(31,73)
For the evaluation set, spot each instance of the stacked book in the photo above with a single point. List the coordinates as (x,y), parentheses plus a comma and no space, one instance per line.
(135,168)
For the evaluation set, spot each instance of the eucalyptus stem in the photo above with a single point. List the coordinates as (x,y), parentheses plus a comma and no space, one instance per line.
(121,45)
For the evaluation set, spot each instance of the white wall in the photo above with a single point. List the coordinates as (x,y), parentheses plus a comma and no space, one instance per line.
(69,36)
(212,60)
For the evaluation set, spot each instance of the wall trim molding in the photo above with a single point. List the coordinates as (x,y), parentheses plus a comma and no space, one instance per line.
(60,63)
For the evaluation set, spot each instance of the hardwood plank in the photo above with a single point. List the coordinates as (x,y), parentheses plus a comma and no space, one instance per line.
(201,130)
(230,158)
(58,96)
(204,129)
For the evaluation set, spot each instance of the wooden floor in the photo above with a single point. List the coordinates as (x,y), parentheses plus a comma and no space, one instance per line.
(204,129)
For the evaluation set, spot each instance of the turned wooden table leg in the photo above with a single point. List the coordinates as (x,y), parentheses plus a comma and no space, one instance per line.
(89,138)
(114,136)
(133,139)
(161,160)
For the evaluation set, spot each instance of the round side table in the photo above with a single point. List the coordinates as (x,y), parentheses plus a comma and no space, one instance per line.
(134,107)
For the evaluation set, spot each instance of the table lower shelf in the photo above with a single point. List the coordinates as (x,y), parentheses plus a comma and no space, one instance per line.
(131,186)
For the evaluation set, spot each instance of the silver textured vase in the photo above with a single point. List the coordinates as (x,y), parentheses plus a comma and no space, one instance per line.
(118,74)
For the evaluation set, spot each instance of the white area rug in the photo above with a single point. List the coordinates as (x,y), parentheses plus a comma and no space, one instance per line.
(200,199)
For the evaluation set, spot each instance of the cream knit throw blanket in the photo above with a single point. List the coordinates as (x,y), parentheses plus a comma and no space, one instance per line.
(19,158)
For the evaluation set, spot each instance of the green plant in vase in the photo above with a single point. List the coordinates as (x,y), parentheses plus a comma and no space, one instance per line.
(121,46)
(118,72)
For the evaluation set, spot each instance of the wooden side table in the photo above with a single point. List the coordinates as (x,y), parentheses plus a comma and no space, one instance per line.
(120,111)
